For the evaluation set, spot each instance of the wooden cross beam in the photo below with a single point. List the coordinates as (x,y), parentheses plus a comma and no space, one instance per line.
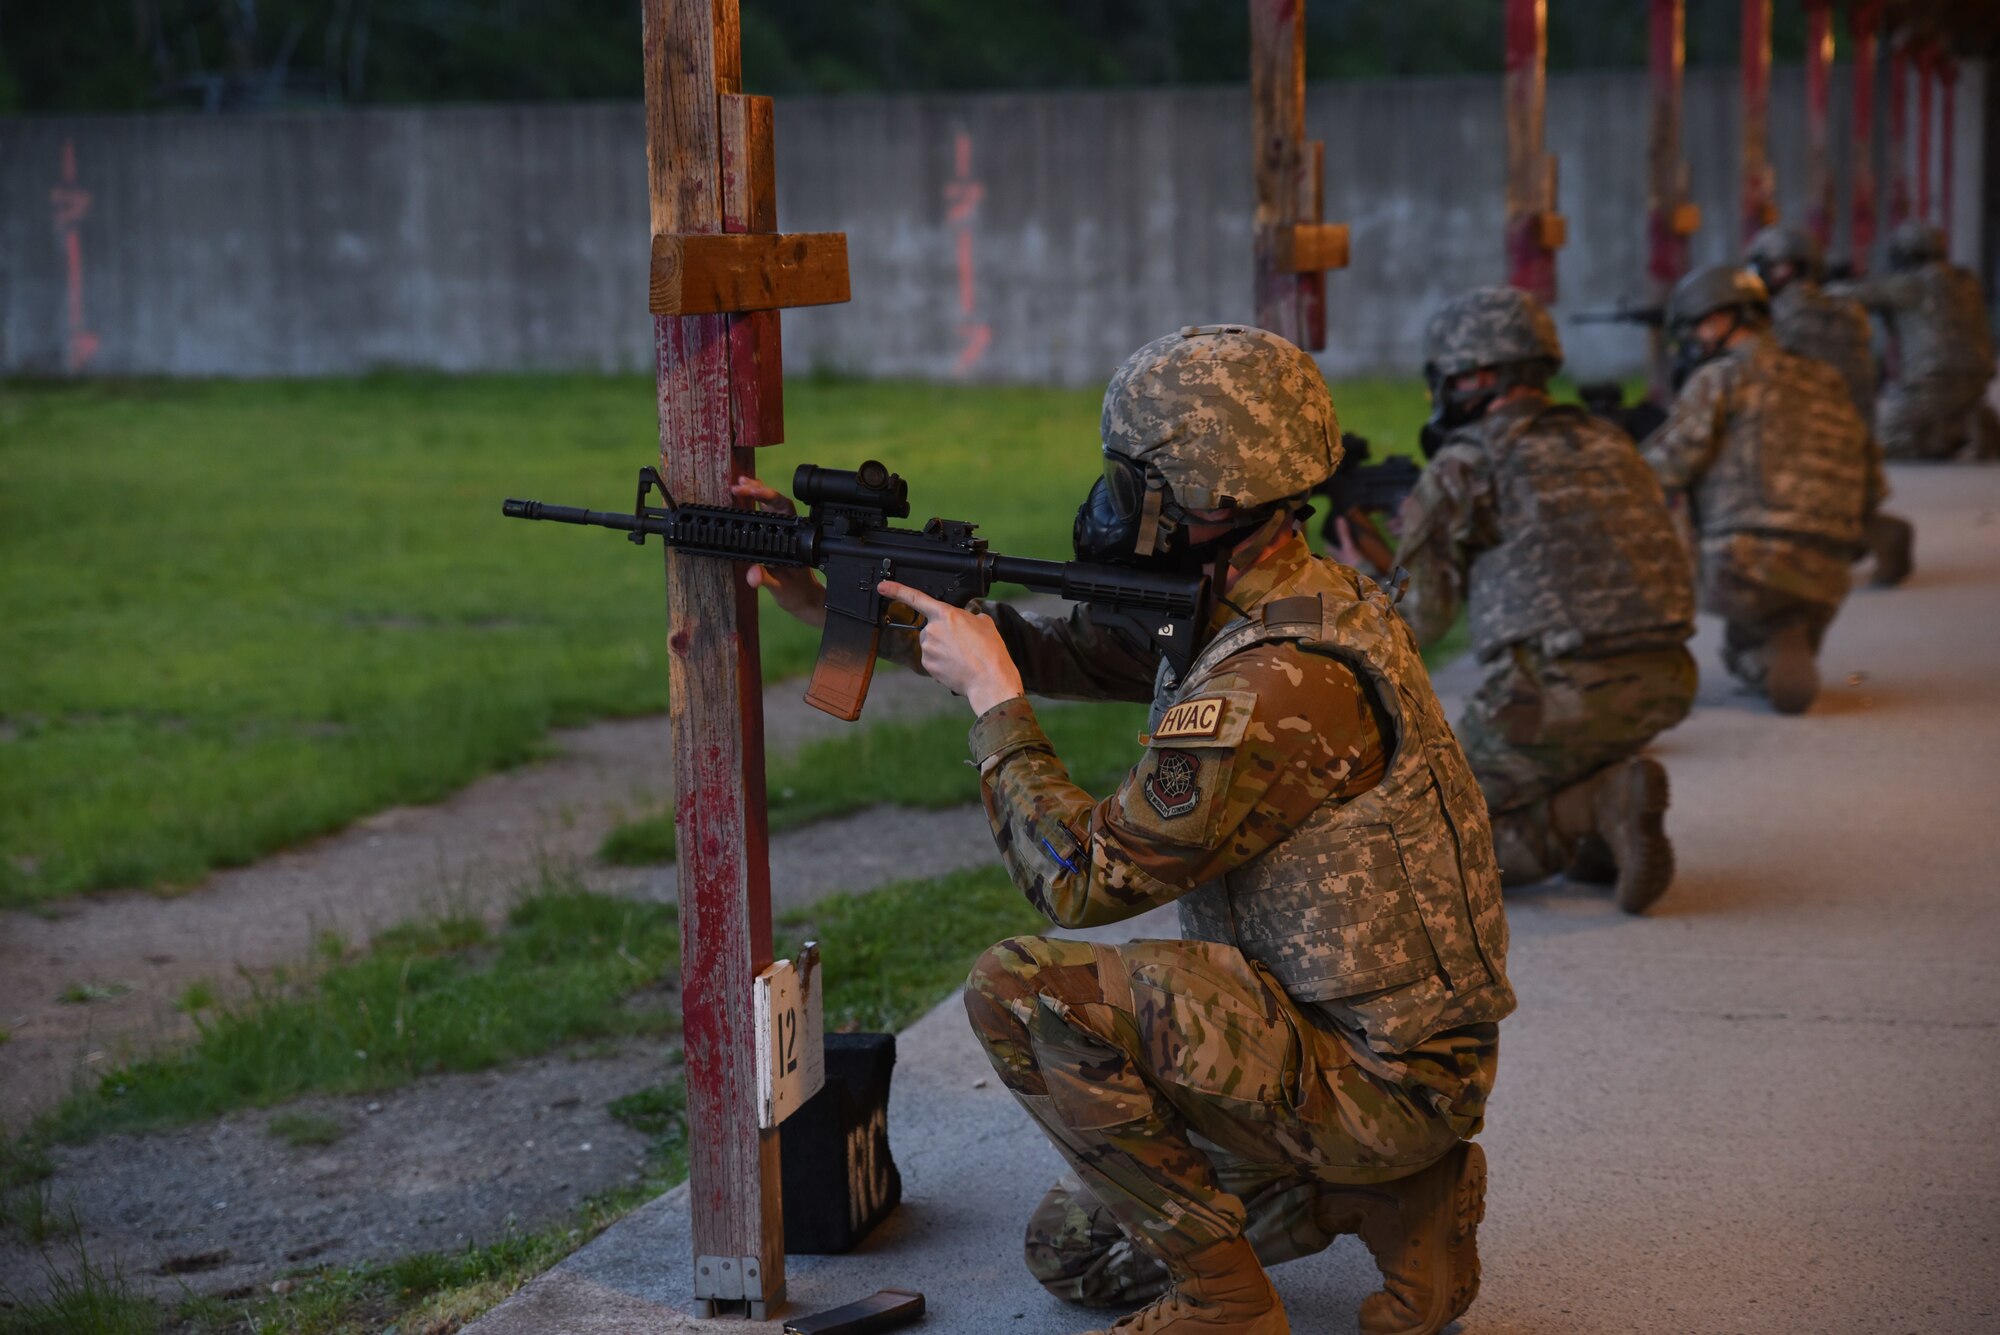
(1671,216)
(1294,249)
(716,354)
(1535,230)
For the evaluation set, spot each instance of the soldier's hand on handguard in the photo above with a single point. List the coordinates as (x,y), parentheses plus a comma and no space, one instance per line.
(961,649)
(796,588)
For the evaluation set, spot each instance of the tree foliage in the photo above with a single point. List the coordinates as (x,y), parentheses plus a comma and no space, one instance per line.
(225,55)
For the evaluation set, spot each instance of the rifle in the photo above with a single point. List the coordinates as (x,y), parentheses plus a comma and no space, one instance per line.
(1360,485)
(1650,316)
(1606,399)
(845,533)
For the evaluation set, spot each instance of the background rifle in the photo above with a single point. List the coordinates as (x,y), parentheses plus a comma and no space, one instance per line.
(1650,316)
(1606,399)
(1360,485)
(845,534)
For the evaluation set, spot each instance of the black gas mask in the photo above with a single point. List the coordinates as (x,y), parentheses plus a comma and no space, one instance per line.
(1130,519)
(1691,354)
(1453,408)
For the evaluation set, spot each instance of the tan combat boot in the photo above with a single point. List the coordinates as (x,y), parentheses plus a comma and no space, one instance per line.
(1221,1288)
(1792,670)
(1619,815)
(1889,541)
(1426,1244)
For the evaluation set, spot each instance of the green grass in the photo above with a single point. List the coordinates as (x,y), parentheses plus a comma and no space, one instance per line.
(241,614)
(436,995)
(890,955)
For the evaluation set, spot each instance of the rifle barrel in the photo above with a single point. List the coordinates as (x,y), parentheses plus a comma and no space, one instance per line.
(570,514)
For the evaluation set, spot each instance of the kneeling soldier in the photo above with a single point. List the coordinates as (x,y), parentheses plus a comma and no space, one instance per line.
(1544,522)
(1313,1057)
(1780,473)
(1812,322)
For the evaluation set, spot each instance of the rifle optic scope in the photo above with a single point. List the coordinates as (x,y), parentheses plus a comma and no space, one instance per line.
(869,487)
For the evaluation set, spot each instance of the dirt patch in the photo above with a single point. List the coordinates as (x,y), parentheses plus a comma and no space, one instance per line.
(437,1165)
(472,852)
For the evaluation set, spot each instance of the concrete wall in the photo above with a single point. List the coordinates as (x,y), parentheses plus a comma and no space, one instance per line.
(1025,237)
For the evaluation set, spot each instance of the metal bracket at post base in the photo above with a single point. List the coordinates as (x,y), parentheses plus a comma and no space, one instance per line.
(733,1286)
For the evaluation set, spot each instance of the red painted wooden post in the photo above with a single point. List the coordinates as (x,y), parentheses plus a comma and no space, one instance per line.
(1760,208)
(710,170)
(1947,69)
(1925,57)
(1534,228)
(1863,21)
(1294,249)
(1671,218)
(1899,134)
(1819,98)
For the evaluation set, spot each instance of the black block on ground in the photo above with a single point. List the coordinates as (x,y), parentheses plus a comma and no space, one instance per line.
(839,1178)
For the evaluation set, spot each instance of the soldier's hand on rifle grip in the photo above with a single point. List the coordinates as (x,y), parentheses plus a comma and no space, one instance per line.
(797,589)
(961,649)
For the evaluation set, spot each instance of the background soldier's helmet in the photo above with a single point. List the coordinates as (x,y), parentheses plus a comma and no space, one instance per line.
(1227,415)
(1489,326)
(1779,244)
(1914,243)
(1717,287)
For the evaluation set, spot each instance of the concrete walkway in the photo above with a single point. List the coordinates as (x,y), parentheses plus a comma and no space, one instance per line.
(1773,1105)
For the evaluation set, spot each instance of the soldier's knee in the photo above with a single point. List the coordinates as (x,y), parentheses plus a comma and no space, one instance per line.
(1006,972)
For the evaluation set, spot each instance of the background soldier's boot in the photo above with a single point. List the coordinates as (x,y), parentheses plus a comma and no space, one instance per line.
(1220,1289)
(1427,1246)
(1792,679)
(1890,540)
(1620,810)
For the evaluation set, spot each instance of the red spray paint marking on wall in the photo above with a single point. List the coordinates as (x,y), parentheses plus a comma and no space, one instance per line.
(962,197)
(70,205)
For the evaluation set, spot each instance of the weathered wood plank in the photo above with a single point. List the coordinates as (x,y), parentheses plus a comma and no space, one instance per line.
(1760,184)
(1289,302)
(1531,170)
(714,696)
(1312,247)
(696,274)
(750,204)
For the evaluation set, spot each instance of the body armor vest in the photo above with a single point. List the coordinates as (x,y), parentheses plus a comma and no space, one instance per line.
(1829,329)
(1384,910)
(1794,455)
(1946,333)
(1588,551)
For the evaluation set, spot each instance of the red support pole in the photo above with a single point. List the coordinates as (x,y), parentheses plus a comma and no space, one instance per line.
(1926,61)
(1293,248)
(1862,22)
(1948,134)
(1534,228)
(1819,95)
(1670,217)
(1899,135)
(1759,183)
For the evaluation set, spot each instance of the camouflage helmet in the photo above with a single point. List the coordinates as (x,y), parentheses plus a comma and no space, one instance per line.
(1914,243)
(1229,416)
(1717,287)
(1489,326)
(1781,243)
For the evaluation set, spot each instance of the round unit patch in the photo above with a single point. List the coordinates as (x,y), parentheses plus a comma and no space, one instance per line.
(1171,788)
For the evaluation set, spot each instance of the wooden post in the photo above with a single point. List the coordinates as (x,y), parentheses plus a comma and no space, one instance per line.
(1819,103)
(710,169)
(1760,208)
(1294,248)
(1925,57)
(1535,230)
(1947,71)
(1863,24)
(1671,217)
(1899,134)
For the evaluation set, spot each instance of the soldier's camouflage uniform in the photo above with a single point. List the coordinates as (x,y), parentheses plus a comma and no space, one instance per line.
(1779,473)
(1944,351)
(1332,1020)
(1546,523)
